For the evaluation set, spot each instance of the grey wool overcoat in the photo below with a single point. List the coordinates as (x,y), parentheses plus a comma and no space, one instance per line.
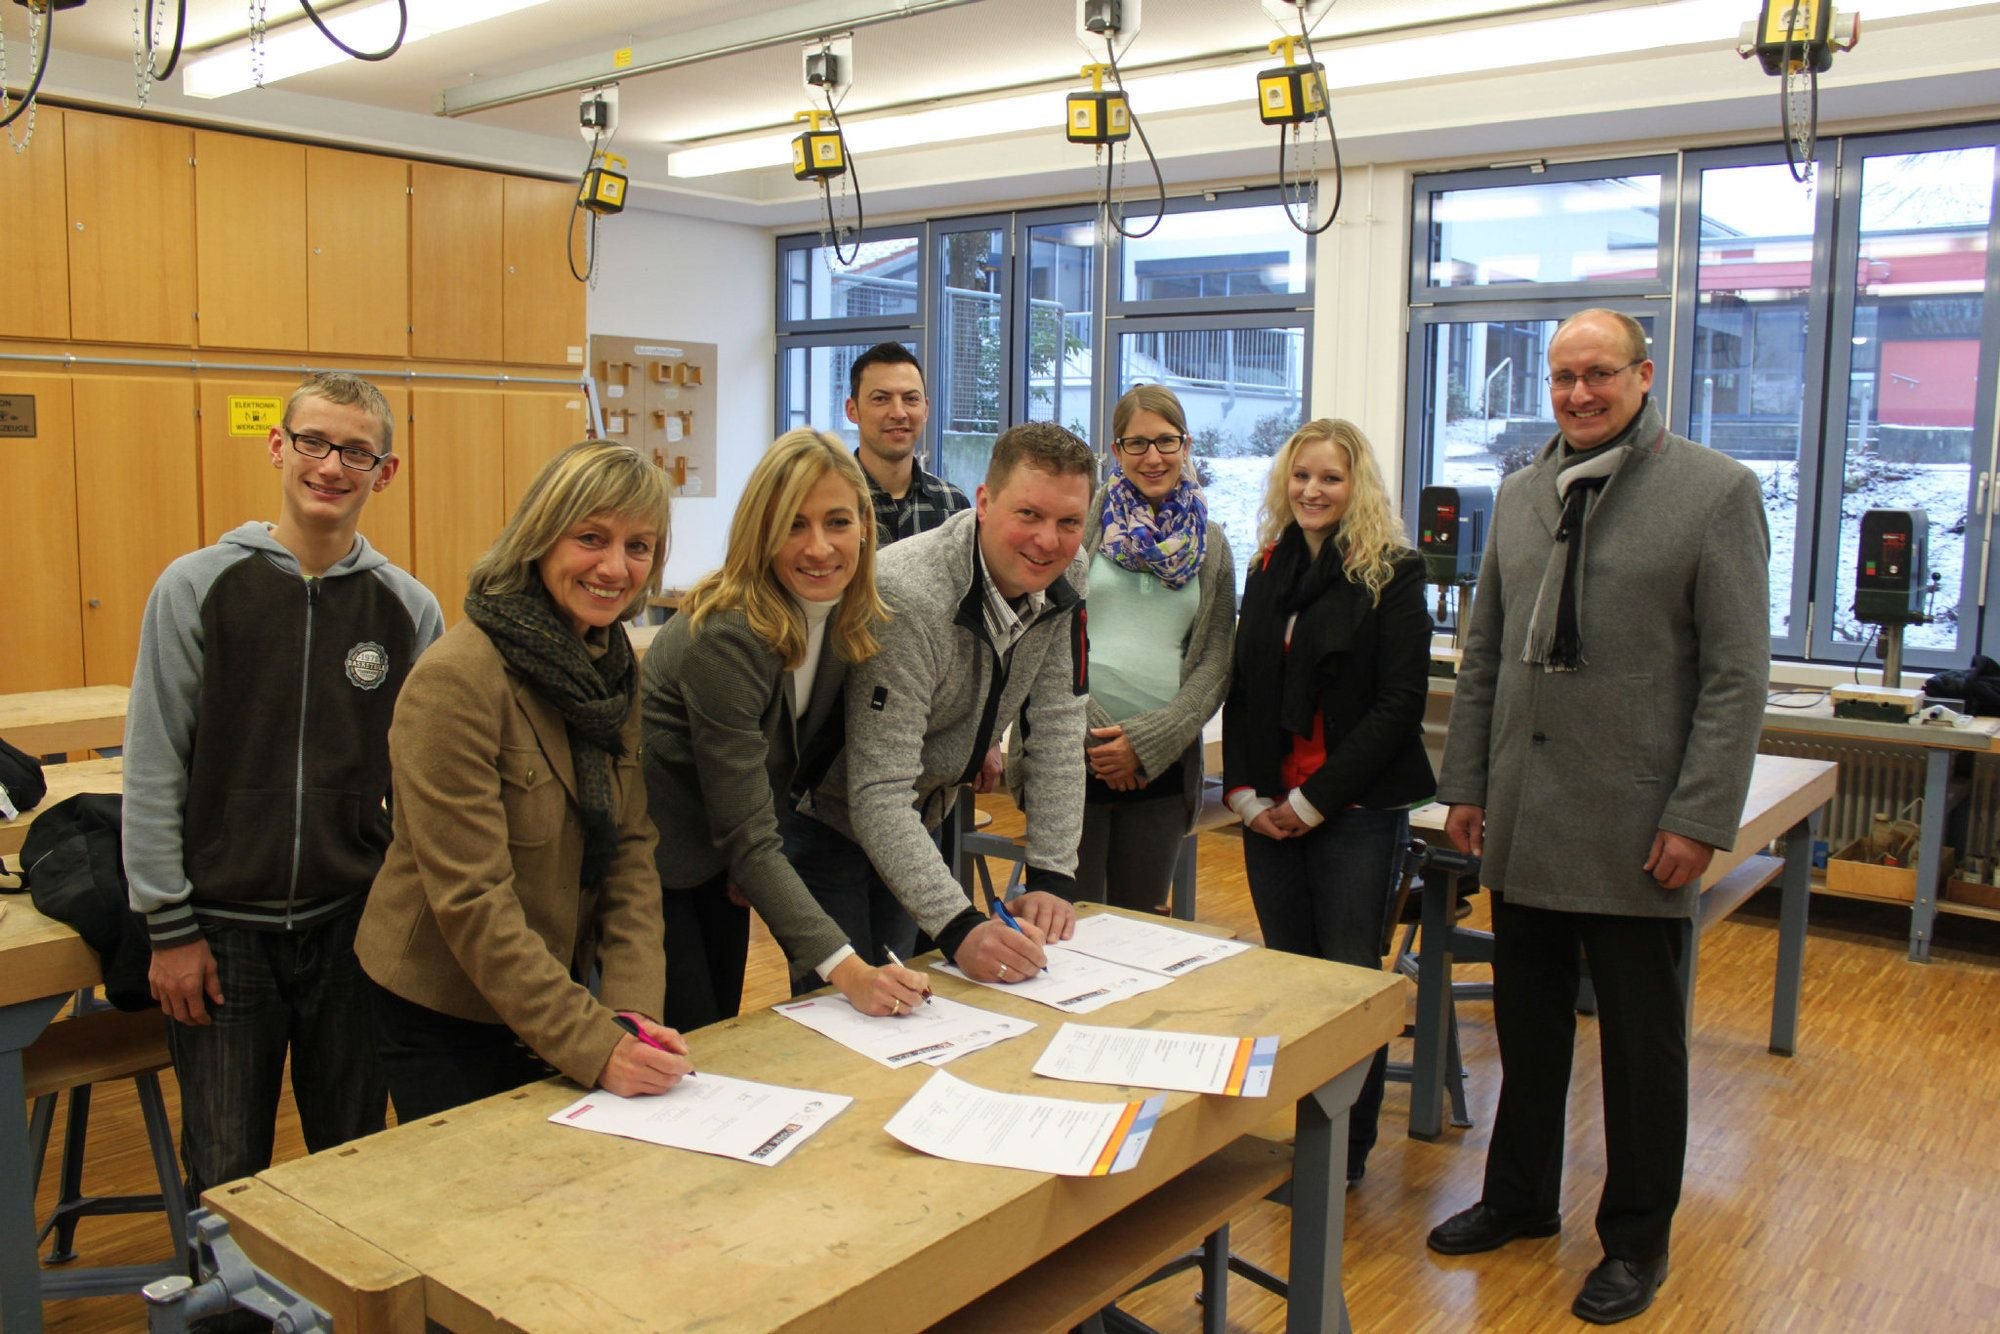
(1658,729)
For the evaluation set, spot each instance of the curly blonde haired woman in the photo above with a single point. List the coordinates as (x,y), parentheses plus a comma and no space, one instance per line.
(1322,734)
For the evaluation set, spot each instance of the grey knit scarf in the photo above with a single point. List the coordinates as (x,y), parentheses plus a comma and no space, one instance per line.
(594,697)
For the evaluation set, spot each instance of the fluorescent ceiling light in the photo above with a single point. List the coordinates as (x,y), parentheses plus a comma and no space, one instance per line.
(1432,56)
(299,47)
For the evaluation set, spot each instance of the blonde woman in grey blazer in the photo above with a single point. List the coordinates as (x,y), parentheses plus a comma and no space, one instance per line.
(1162,618)
(742,707)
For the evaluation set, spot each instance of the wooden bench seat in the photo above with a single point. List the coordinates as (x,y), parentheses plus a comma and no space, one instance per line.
(1123,1251)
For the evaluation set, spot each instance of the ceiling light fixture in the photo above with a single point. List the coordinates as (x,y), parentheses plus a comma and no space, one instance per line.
(299,48)
(1465,50)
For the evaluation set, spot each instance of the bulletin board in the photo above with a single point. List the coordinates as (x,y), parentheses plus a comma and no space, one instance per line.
(658,396)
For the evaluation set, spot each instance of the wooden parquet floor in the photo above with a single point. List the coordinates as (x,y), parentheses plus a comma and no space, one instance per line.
(1853,1187)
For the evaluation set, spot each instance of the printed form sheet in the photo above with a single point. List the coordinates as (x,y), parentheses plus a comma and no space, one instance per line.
(949,1118)
(935,1032)
(1075,983)
(711,1113)
(1192,1062)
(1148,945)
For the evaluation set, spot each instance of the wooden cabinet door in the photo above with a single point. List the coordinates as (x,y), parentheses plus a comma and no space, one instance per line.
(130,186)
(454,263)
(457,488)
(39,607)
(250,242)
(34,276)
(357,253)
(239,481)
(536,426)
(543,302)
(137,476)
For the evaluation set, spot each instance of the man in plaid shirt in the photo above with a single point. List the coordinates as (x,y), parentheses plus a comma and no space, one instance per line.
(888,407)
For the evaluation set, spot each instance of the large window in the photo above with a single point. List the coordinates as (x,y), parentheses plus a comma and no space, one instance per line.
(1018,316)
(1837,341)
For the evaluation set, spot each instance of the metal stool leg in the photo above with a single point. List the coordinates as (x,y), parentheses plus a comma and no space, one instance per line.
(76,1133)
(166,1165)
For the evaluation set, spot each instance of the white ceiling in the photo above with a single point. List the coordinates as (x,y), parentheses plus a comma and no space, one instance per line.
(977,47)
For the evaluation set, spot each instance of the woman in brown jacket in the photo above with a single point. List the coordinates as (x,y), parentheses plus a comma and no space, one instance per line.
(523,853)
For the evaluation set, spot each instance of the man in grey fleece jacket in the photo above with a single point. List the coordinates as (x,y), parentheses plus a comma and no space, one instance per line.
(256,769)
(988,627)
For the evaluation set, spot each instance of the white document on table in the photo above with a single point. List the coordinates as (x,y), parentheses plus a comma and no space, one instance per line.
(935,1032)
(1149,1058)
(1148,945)
(711,1113)
(949,1118)
(1075,983)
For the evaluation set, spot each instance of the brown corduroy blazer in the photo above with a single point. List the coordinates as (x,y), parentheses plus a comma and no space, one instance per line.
(477,911)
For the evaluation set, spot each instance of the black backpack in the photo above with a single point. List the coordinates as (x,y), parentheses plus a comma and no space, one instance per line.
(74,864)
(21,776)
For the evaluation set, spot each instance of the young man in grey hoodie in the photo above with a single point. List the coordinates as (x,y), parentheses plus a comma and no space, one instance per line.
(987,627)
(256,786)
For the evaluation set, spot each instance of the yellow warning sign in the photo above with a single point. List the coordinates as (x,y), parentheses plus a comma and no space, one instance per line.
(254,416)
(622,58)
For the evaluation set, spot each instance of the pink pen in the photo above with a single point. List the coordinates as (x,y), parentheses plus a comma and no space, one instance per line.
(631,1025)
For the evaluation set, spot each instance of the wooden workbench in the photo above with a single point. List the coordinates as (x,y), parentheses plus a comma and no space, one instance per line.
(50,722)
(489,1217)
(64,780)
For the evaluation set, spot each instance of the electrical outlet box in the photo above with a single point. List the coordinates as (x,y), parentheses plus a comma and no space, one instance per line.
(829,65)
(597,112)
(1100,20)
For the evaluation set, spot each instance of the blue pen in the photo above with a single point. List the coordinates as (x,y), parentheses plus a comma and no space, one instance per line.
(1000,910)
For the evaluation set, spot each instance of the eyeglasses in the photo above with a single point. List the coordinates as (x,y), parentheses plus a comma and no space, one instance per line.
(351,456)
(1564,381)
(1136,445)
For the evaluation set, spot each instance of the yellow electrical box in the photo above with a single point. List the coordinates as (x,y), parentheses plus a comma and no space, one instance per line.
(818,155)
(603,188)
(1798,33)
(1099,118)
(1291,94)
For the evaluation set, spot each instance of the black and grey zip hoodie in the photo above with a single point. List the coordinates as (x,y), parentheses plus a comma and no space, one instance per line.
(257,736)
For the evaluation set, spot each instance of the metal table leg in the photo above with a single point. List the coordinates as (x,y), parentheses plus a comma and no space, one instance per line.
(20,1274)
(1930,848)
(1433,1010)
(1796,896)
(1319,1205)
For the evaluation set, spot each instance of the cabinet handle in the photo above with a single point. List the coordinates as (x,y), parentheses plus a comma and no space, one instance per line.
(79,226)
(96,602)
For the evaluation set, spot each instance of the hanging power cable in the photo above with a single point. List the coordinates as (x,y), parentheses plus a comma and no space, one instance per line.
(402,30)
(849,178)
(601,190)
(1112,211)
(146,21)
(1291,97)
(42,22)
(1795,40)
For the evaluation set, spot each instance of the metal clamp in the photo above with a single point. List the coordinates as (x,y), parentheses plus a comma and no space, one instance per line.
(174,1303)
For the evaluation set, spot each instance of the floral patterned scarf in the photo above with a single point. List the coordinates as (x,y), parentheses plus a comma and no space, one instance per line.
(1168,542)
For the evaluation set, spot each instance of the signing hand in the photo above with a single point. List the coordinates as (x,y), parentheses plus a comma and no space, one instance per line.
(635,1069)
(181,976)
(1053,913)
(1675,860)
(996,952)
(890,989)
(1465,826)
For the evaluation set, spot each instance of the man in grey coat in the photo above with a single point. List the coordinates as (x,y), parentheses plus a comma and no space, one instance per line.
(1602,737)
(986,626)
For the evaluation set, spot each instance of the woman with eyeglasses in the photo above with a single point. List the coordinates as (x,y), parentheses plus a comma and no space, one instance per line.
(742,700)
(523,854)
(1322,737)
(1162,604)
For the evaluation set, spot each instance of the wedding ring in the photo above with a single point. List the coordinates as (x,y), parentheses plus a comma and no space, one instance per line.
(895,1007)
(1003,970)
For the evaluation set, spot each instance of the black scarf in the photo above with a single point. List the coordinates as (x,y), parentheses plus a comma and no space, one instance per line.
(1282,695)
(594,697)
(1555,637)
